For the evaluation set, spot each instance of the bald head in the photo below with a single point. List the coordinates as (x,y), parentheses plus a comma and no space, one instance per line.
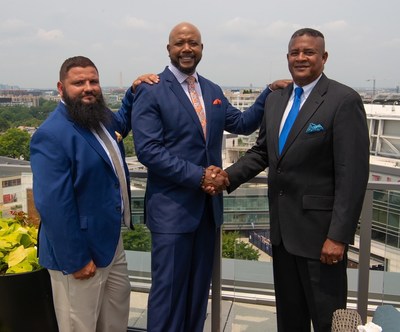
(185,47)
(184,27)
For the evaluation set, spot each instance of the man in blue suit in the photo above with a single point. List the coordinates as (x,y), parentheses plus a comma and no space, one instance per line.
(76,155)
(177,146)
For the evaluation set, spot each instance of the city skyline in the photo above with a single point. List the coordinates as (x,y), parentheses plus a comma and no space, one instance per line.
(245,43)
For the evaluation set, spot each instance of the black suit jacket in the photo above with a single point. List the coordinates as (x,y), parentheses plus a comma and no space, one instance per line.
(317,185)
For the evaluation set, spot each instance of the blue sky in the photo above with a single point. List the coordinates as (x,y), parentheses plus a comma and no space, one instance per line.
(245,42)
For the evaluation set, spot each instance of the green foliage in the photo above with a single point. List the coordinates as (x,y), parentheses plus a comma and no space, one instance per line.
(138,239)
(4,125)
(14,143)
(27,116)
(128,144)
(232,247)
(42,112)
(18,239)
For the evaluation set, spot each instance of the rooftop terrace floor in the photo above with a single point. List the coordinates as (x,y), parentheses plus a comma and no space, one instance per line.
(235,316)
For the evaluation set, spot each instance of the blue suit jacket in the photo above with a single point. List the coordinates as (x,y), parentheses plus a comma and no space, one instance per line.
(169,141)
(76,191)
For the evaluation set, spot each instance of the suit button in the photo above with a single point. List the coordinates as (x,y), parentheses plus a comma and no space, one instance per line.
(116,185)
(281,193)
(278,170)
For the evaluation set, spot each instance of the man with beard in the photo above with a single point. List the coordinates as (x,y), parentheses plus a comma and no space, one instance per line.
(81,190)
(178,135)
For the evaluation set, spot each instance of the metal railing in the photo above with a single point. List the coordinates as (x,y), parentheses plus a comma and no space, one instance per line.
(363,267)
(361,298)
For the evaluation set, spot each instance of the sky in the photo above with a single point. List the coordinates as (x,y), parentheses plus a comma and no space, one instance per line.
(245,41)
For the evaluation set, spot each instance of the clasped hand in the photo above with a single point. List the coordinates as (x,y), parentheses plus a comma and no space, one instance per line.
(215,180)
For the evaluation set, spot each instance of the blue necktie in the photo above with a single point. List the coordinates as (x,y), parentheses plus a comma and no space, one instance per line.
(290,118)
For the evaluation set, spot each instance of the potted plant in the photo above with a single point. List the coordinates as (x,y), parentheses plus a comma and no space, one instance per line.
(26,300)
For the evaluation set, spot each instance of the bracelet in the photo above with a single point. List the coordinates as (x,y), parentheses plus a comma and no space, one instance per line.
(203,177)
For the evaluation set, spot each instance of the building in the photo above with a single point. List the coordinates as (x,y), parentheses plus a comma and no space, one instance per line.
(242,99)
(18,97)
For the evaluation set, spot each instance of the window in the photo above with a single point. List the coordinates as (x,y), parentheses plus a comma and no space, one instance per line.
(11,183)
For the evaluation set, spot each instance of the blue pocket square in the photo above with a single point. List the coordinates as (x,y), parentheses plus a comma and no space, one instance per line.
(314,128)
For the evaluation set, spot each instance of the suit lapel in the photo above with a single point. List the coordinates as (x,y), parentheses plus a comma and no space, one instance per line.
(94,143)
(176,88)
(310,106)
(88,136)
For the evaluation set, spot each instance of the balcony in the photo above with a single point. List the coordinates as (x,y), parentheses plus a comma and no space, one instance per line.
(242,292)
(242,296)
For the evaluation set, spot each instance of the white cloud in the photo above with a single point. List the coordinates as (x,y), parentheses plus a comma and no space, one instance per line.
(335,25)
(239,23)
(12,24)
(392,43)
(253,29)
(135,23)
(50,35)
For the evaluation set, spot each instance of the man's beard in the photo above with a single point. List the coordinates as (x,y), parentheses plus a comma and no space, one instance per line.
(87,116)
(187,71)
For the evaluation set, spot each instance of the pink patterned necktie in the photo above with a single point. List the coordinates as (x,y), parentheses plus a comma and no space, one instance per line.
(196,103)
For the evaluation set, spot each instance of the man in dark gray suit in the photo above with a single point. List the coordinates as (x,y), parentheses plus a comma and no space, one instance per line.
(316,185)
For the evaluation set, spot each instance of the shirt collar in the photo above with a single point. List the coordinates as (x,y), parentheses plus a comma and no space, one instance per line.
(181,77)
(307,88)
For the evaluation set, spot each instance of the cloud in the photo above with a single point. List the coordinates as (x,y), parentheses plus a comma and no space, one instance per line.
(239,28)
(280,27)
(392,43)
(12,24)
(335,25)
(239,24)
(50,35)
(138,24)
(99,46)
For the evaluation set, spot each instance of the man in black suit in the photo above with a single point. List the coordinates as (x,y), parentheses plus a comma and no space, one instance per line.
(316,185)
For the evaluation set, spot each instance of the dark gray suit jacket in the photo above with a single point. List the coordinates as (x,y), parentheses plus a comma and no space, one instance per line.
(317,185)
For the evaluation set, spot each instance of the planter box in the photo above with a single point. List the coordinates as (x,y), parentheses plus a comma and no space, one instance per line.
(26,303)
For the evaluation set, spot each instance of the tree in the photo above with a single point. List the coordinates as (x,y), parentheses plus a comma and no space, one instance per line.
(42,112)
(19,115)
(14,143)
(16,115)
(232,247)
(137,239)
(4,125)
(128,144)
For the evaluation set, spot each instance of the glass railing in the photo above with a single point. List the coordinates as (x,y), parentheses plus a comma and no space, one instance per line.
(243,284)
(379,254)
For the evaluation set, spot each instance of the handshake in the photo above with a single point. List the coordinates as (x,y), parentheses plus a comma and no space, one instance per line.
(215,180)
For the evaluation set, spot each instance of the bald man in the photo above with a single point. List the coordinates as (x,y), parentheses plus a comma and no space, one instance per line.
(178,127)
